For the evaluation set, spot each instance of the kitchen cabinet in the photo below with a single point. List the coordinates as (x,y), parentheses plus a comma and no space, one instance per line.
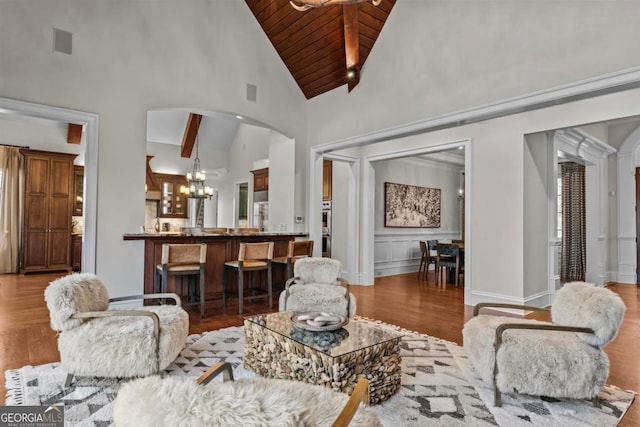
(327,178)
(47,211)
(260,179)
(173,204)
(76,252)
(78,189)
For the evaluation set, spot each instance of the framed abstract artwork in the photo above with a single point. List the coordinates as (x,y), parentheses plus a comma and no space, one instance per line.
(411,206)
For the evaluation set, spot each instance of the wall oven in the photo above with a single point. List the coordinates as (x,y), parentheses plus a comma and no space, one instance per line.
(326,229)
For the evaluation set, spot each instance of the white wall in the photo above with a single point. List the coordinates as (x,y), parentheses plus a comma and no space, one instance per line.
(397,250)
(438,56)
(536,226)
(470,54)
(431,58)
(339,212)
(250,144)
(616,136)
(496,194)
(130,57)
(421,173)
(281,182)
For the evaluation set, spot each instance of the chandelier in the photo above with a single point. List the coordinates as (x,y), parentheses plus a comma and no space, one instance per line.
(309,4)
(195,188)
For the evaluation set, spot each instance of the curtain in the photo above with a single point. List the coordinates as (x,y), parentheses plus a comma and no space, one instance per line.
(573,262)
(11,166)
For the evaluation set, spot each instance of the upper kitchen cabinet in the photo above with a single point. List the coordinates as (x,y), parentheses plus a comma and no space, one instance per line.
(327,178)
(173,204)
(260,179)
(78,189)
(48,205)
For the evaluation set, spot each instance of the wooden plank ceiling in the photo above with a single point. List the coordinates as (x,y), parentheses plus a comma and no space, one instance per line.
(312,43)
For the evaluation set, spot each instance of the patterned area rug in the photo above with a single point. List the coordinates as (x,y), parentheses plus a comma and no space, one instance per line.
(439,388)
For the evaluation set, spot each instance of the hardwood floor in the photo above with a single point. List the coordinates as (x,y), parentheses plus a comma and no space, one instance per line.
(403,300)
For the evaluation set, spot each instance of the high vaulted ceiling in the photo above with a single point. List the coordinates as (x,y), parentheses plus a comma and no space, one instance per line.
(312,43)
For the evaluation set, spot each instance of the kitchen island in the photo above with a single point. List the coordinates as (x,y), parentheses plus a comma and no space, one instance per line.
(221,247)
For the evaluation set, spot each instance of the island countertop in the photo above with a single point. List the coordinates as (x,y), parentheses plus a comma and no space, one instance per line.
(221,247)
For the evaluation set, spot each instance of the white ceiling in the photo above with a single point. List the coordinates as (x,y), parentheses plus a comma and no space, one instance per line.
(217,129)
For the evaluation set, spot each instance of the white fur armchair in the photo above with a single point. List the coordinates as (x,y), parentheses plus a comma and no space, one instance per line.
(173,401)
(316,286)
(559,359)
(94,341)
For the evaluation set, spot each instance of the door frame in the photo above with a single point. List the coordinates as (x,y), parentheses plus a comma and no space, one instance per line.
(637,224)
(91,126)
(628,160)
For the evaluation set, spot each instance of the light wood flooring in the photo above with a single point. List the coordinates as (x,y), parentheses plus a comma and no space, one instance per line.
(419,305)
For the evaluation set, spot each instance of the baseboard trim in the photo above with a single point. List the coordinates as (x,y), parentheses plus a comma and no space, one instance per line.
(541,299)
(628,278)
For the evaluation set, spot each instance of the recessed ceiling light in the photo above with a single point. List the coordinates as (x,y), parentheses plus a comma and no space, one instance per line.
(461,147)
(238,117)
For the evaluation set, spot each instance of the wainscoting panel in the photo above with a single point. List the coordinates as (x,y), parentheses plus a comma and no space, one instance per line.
(397,253)
(381,253)
(626,259)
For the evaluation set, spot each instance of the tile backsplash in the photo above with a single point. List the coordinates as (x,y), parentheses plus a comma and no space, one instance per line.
(150,215)
(77,224)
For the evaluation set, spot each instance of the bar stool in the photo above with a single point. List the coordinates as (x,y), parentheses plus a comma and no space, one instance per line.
(251,257)
(183,260)
(296,249)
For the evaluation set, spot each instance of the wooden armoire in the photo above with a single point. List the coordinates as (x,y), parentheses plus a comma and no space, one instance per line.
(48,204)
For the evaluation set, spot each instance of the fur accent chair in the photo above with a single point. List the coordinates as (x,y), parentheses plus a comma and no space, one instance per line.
(172,401)
(563,358)
(94,341)
(316,287)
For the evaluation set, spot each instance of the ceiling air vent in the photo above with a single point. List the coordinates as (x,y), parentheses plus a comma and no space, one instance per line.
(62,41)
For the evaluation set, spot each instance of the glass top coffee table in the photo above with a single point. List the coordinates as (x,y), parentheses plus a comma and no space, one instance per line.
(278,348)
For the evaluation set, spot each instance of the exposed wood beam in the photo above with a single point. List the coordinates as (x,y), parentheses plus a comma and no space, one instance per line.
(190,134)
(351,44)
(151,181)
(74,133)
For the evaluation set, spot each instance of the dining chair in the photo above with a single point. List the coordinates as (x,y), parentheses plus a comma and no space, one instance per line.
(251,257)
(295,250)
(183,260)
(433,257)
(448,257)
(426,257)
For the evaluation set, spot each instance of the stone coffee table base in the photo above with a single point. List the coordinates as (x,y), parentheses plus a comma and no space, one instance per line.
(272,355)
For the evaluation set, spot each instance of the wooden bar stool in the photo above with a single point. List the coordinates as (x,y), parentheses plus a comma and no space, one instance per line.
(296,249)
(251,257)
(183,260)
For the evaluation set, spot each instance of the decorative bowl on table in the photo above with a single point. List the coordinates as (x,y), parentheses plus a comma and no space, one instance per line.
(321,340)
(318,321)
